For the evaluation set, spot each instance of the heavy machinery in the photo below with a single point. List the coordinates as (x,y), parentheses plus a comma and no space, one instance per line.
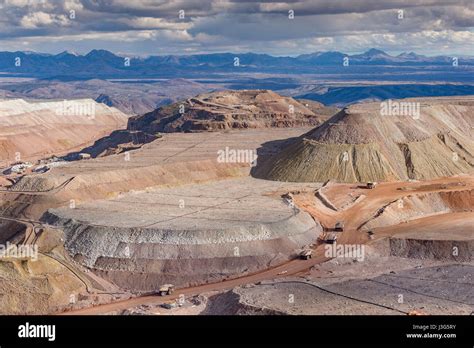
(339,227)
(328,237)
(169,305)
(166,289)
(331,239)
(306,254)
(371,185)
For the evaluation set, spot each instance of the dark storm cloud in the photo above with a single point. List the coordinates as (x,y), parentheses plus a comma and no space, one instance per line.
(168,9)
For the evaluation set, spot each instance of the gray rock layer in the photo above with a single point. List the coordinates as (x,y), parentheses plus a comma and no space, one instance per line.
(142,259)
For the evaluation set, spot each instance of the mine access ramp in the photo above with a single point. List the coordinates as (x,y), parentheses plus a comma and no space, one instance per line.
(330,235)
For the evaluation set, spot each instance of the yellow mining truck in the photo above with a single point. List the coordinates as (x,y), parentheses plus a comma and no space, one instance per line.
(166,289)
(371,185)
(339,227)
(306,254)
(328,237)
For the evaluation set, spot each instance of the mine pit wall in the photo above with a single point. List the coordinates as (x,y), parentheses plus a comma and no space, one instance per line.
(441,250)
(445,250)
(423,205)
(143,259)
(11,231)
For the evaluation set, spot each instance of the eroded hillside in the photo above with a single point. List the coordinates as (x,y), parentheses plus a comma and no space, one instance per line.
(361,144)
(232,110)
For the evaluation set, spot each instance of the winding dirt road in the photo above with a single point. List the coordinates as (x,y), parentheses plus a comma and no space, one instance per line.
(355,215)
(292,267)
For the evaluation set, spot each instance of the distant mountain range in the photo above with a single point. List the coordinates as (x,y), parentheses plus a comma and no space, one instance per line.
(105,64)
(344,95)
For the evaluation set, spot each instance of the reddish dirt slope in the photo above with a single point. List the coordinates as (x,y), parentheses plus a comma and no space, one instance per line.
(53,127)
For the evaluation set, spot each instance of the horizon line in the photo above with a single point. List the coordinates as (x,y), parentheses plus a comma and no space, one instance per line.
(124,55)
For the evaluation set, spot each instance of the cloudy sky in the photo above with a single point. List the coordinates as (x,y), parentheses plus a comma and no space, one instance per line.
(154,27)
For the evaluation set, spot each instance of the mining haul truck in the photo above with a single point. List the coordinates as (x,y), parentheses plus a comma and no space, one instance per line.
(306,254)
(339,227)
(371,185)
(166,289)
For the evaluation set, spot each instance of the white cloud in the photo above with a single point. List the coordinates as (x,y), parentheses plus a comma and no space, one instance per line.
(153,23)
(230,25)
(41,19)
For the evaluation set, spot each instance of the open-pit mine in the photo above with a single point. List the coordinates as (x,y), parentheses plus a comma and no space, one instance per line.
(122,213)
